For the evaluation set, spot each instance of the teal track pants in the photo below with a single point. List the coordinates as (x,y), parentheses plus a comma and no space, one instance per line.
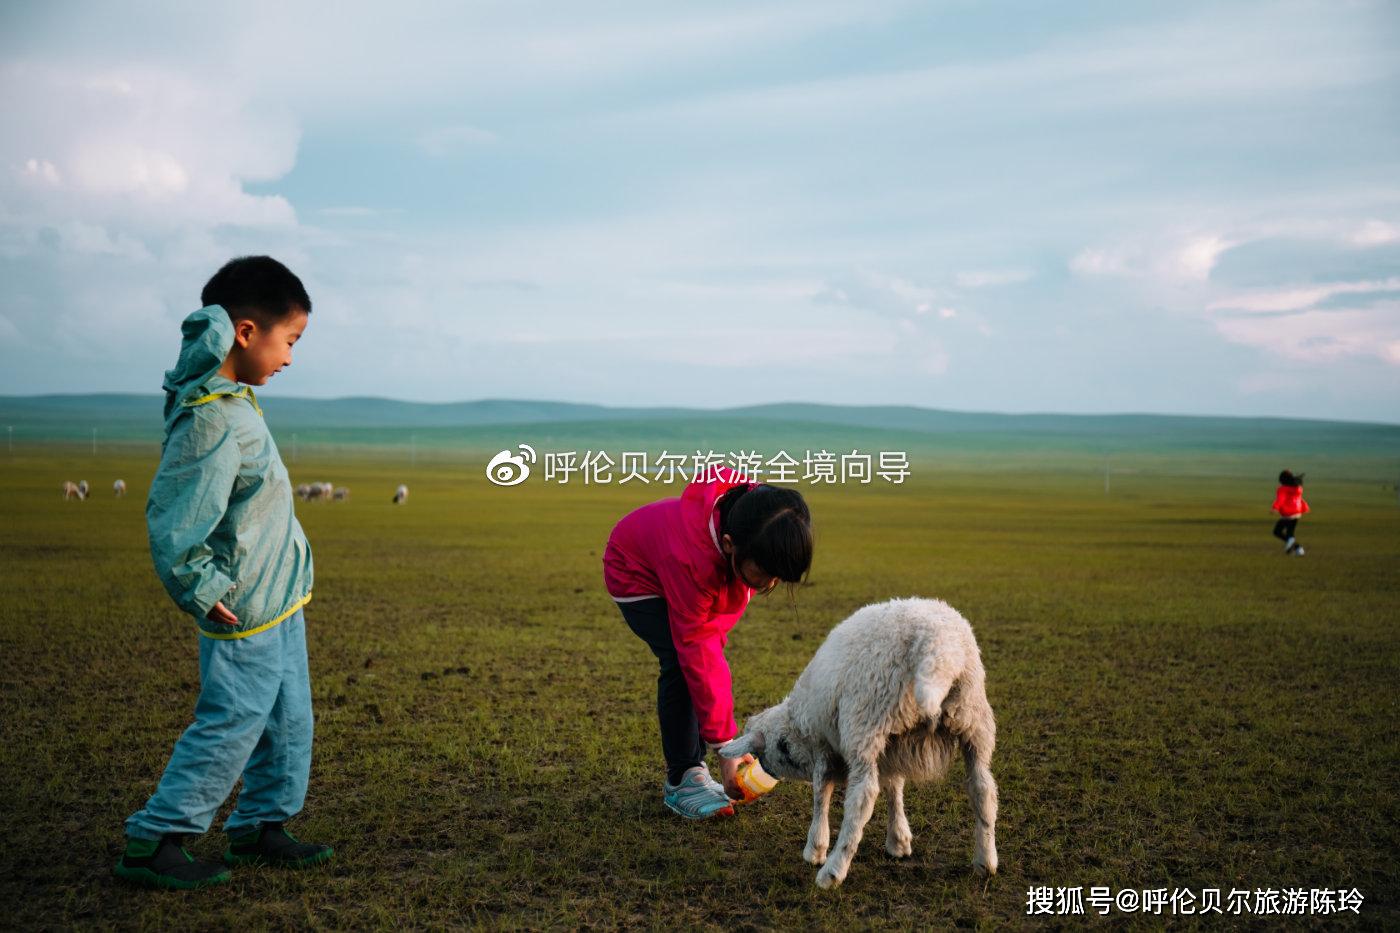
(253,720)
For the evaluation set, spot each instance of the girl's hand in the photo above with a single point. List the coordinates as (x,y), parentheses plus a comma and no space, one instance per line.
(729,772)
(221,614)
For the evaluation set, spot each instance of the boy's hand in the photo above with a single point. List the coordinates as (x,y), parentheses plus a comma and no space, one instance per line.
(729,771)
(220,614)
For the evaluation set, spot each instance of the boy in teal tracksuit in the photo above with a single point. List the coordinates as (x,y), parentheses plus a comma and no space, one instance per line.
(229,549)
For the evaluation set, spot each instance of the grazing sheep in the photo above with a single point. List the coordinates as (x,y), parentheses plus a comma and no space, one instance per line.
(317,491)
(401,494)
(891,695)
(119,488)
(83,488)
(341,494)
(72,490)
(303,492)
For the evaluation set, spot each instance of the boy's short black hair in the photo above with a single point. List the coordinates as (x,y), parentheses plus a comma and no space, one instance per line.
(258,288)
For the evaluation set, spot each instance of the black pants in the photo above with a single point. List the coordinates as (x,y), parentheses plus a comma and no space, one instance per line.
(1284,528)
(680,731)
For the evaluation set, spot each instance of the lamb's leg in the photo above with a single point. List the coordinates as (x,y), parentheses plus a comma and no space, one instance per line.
(899,840)
(862,787)
(982,791)
(819,835)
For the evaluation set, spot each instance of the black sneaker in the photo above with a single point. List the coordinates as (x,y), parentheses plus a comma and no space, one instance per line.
(273,845)
(164,863)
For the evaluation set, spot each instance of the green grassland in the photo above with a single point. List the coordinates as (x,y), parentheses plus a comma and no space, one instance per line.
(1179,704)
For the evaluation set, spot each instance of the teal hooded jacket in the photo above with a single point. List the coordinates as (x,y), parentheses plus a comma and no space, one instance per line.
(220,515)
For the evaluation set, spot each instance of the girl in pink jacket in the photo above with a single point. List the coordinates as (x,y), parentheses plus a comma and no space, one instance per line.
(682,571)
(1290,505)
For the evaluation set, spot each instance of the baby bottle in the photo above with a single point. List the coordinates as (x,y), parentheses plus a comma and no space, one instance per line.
(754,782)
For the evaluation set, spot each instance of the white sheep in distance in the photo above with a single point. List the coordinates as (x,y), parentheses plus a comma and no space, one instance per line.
(72,490)
(341,494)
(83,489)
(401,494)
(315,491)
(891,695)
(119,488)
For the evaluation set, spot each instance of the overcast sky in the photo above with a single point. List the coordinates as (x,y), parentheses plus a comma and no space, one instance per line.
(1178,207)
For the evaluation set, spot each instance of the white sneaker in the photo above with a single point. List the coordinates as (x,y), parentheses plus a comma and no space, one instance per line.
(697,797)
(715,785)
(1298,551)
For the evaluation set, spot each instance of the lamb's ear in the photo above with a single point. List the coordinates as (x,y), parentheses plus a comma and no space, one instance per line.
(750,743)
(737,748)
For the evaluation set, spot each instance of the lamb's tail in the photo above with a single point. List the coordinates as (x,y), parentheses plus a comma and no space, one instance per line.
(932,682)
(937,690)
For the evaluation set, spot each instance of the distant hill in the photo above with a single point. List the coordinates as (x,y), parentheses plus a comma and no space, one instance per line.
(486,423)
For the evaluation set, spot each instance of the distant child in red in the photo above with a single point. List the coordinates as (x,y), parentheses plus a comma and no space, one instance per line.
(1289,504)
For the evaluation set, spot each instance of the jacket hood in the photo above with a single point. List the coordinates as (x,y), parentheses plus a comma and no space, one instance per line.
(207,337)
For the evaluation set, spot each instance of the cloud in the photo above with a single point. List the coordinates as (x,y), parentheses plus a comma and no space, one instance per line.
(1198,256)
(1174,270)
(42,170)
(121,190)
(1103,261)
(1288,322)
(882,294)
(916,314)
(987,278)
(1205,57)
(83,238)
(843,346)
(1269,301)
(357,211)
(480,54)
(142,149)
(1375,233)
(934,359)
(507,285)
(1322,336)
(724,171)
(1170,257)
(453,140)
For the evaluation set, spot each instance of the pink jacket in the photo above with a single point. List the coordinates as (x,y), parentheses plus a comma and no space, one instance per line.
(1288,502)
(671,549)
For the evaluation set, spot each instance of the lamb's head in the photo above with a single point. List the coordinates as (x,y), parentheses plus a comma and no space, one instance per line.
(770,738)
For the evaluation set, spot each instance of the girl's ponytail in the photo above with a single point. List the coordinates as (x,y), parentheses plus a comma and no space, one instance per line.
(771,526)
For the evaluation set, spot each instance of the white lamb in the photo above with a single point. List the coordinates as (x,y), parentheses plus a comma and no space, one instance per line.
(890,695)
(401,494)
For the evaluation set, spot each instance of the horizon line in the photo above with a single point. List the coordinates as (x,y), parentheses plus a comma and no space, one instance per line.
(739,408)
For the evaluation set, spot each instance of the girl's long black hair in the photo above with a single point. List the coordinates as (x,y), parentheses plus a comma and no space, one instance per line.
(771,526)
